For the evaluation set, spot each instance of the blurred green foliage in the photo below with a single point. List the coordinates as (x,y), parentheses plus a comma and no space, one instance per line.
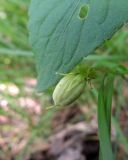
(17,63)
(13,24)
(14,39)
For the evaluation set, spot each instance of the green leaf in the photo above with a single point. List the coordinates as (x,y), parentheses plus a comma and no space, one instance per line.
(104,117)
(62,32)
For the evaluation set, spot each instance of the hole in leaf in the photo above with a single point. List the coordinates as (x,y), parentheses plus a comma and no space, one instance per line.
(83,11)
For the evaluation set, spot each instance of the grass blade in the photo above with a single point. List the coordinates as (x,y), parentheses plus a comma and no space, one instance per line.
(104,118)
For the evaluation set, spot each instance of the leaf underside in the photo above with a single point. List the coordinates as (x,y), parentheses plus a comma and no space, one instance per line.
(60,38)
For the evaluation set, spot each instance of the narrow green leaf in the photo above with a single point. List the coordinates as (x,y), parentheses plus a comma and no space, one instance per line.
(104,106)
(108,92)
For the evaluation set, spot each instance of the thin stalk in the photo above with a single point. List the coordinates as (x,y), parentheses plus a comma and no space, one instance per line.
(15,52)
(106,57)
